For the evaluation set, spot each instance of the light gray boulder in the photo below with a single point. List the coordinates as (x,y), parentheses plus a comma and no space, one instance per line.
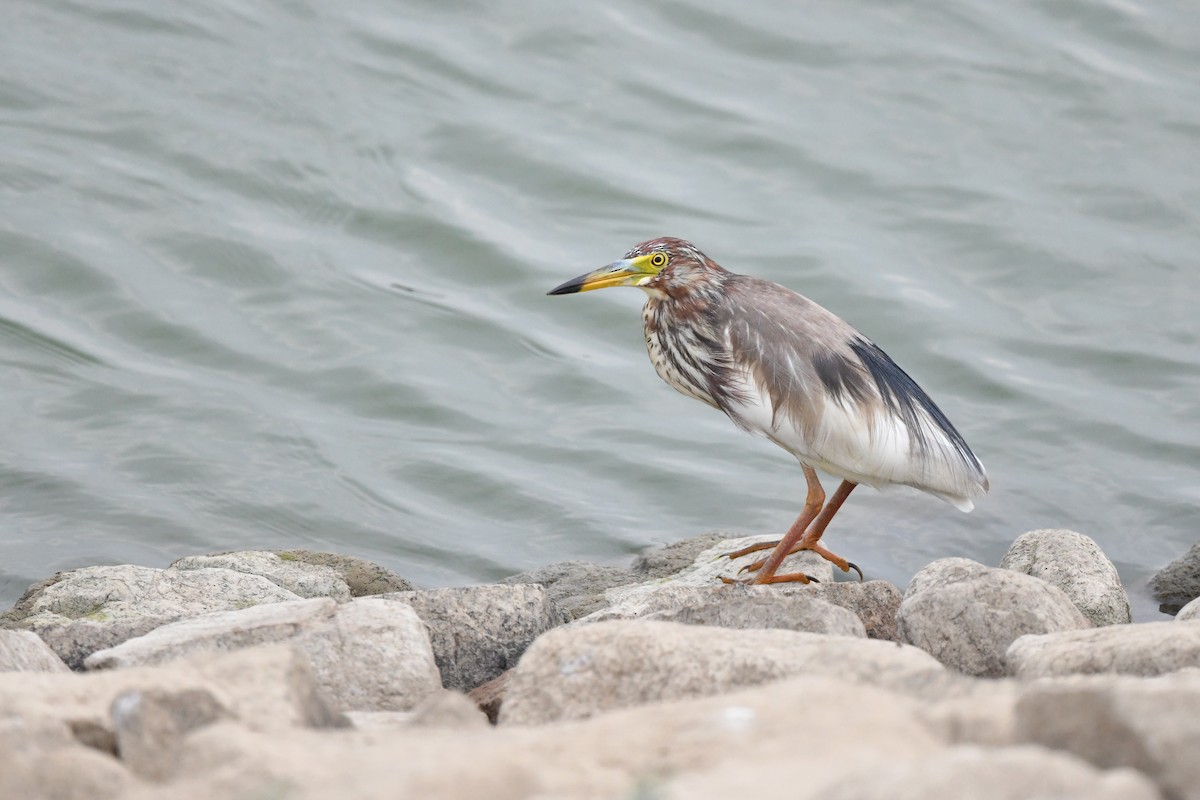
(666,560)
(1116,721)
(23,651)
(696,749)
(298,577)
(876,603)
(1149,648)
(736,606)
(369,654)
(478,632)
(1178,583)
(1190,612)
(267,688)
(75,641)
(793,612)
(446,709)
(975,712)
(577,671)
(150,726)
(1076,564)
(41,759)
(1010,773)
(966,615)
(306,573)
(576,587)
(114,594)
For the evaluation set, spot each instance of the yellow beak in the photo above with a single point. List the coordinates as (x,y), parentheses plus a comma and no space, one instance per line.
(626,272)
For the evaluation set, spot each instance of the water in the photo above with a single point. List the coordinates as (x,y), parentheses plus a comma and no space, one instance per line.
(273,275)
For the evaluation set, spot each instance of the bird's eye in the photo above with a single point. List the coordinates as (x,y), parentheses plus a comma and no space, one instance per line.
(658,260)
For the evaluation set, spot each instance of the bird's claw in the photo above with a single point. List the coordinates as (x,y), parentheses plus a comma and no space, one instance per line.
(725,579)
(850,565)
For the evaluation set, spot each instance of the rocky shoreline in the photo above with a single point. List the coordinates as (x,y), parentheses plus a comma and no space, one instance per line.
(293,674)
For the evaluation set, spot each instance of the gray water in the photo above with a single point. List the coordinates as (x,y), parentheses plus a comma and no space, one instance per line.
(274,274)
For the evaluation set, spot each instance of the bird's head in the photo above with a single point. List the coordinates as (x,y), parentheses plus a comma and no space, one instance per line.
(662,267)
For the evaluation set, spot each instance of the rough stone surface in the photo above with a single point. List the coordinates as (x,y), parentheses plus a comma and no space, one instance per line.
(1114,721)
(298,577)
(980,712)
(737,606)
(23,651)
(131,598)
(150,726)
(661,562)
(446,709)
(575,672)
(478,632)
(876,603)
(216,632)
(1149,648)
(369,654)
(1013,773)
(1178,583)
(268,688)
(75,641)
(696,749)
(966,615)
(576,587)
(793,612)
(41,759)
(364,578)
(1189,612)
(490,696)
(1075,564)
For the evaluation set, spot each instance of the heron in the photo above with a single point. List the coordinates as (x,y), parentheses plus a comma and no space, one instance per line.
(781,366)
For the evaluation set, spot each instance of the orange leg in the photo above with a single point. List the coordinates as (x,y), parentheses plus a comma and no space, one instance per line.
(812,508)
(809,541)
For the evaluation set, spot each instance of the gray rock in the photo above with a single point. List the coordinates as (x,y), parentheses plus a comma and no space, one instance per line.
(490,696)
(1149,648)
(75,641)
(449,709)
(298,577)
(150,726)
(23,651)
(695,749)
(577,671)
(737,606)
(307,573)
(576,587)
(217,632)
(875,603)
(478,632)
(661,562)
(368,654)
(944,572)
(976,712)
(1178,583)
(1111,721)
(121,593)
(1077,565)
(794,612)
(363,577)
(1189,612)
(966,615)
(268,688)
(40,759)
(1011,773)
(444,710)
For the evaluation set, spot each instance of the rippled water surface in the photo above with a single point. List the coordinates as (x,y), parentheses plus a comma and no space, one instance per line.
(274,274)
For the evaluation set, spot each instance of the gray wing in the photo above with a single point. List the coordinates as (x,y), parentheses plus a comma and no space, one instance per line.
(856,412)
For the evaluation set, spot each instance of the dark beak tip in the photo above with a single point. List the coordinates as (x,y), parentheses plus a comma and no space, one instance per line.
(570,287)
